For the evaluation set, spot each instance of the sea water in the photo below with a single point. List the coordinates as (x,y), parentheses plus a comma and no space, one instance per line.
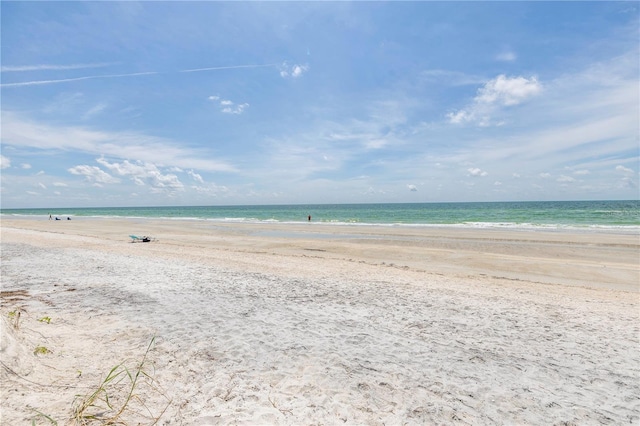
(621,215)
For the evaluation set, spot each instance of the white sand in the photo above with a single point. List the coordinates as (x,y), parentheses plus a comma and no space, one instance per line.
(320,324)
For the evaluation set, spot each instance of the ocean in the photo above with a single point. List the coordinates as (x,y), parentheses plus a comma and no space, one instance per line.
(619,215)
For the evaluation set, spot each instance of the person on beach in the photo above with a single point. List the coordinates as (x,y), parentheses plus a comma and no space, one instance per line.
(50,218)
(309,218)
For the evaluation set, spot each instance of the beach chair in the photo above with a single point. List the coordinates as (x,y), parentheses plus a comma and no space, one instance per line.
(136,239)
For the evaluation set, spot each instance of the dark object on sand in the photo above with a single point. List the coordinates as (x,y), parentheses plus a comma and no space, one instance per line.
(136,239)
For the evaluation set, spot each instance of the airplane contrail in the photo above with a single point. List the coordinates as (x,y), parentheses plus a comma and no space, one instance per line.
(54,67)
(66,80)
(229,67)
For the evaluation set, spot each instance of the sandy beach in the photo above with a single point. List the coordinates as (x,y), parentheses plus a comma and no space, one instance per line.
(314,324)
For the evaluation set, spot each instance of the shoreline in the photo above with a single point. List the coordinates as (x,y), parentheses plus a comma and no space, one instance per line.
(500,226)
(388,327)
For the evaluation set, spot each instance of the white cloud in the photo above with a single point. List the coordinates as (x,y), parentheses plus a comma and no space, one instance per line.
(293,71)
(624,170)
(60,184)
(93,174)
(235,109)
(94,111)
(582,172)
(508,91)
(565,179)
(498,93)
(412,188)
(42,185)
(5,162)
(25,166)
(142,174)
(627,182)
(23,133)
(298,70)
(229,107)
(507,56)
(475,172)
(545,175)
(460,117)
(195,176)
(211,190)
(375,143)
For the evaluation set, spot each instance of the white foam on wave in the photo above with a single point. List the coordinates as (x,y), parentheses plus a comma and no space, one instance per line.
(633,229)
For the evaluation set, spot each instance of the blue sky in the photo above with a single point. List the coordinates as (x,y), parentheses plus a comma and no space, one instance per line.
(216,103)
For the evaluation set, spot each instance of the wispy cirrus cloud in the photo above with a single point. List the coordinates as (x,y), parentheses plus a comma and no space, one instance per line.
(625,170)
(195,176)
(20,132)
(93,111)
(450,78)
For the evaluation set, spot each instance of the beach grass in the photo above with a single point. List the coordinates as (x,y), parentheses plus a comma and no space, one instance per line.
(120,395)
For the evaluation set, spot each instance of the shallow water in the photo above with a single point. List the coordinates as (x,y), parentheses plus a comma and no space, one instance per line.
(621,215)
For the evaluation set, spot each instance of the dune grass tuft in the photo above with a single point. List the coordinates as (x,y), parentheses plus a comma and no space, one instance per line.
(35,420)
(117,399)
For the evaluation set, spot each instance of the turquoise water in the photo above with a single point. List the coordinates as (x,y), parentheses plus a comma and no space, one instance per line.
(557,214)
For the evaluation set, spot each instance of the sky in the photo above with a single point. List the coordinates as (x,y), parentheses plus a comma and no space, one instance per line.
(238,103)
